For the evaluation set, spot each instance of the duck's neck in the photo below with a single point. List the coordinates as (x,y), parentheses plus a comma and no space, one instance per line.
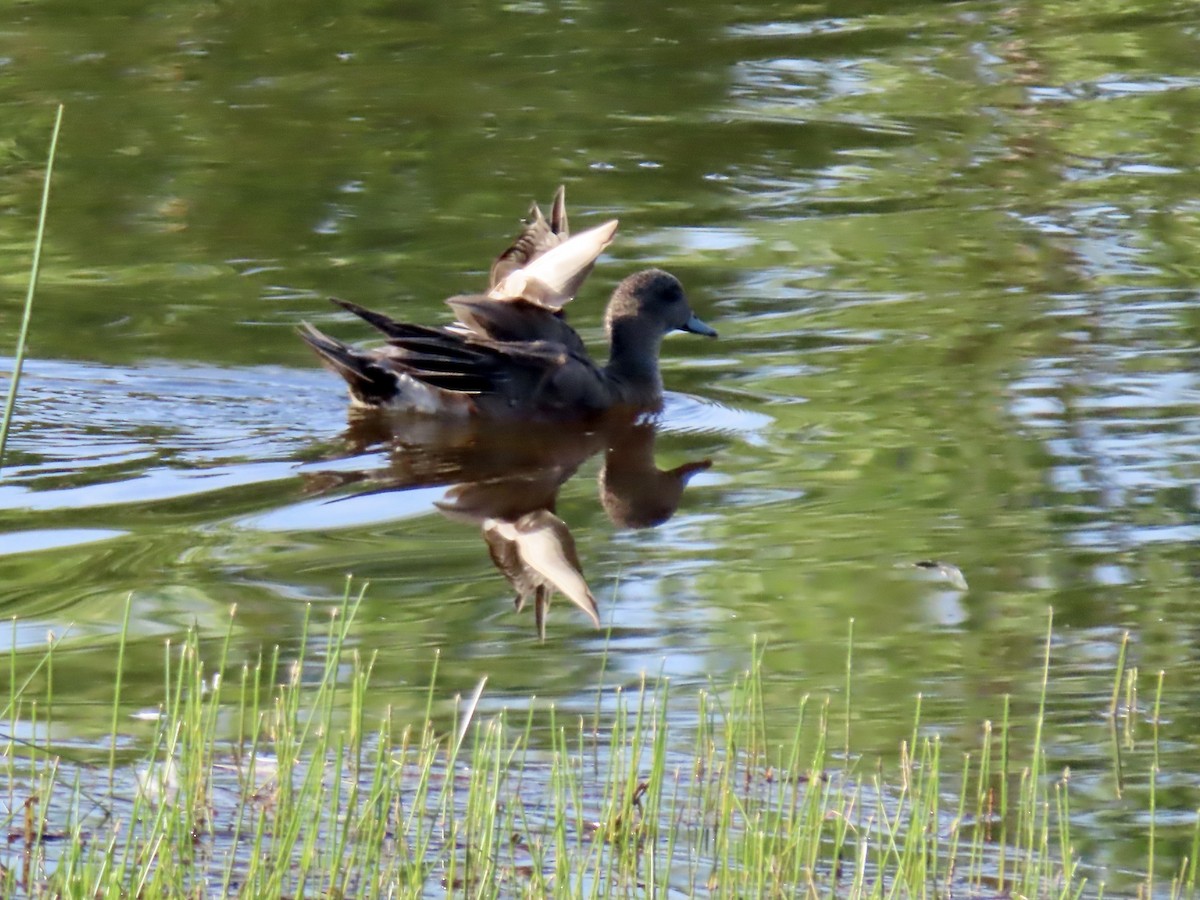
(633,361)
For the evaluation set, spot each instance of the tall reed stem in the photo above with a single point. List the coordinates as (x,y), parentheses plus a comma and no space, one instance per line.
(23,335)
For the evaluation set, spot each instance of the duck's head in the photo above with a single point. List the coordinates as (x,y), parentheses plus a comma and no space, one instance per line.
(653,301)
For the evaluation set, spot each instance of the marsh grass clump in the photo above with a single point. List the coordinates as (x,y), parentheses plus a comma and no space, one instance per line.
(272,779)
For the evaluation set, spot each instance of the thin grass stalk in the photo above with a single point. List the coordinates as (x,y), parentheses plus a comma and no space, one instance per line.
(417,835)
(446,808)
(885,845)
(1030,836)
(142,837)
(844,813)
(562,778)
(1043,873)
(464,825)
(1116,691)
(790,772)
(1193,856)
(493,806)
(34,271)
(984,800)
(1004,776)
(756,713)
(661,883)
(630,811)
(46,788)
(931,856)
(609,802)
(383,787)
(1039,722)
(245,784)
(353,819)
(179,822)
(11,711)
(18,688)
(247,764)
(196,755)
(118,677)
(696,808)
(655,779)
(861,856)
(598,858)
(812,815)
(1131,682)
(1070,863)
(964,780)
(1154,770)
(521,823)
(623,828)
(332,848)
(1118,760)
(894,849)
(216,692)
(910,872)
(350,739)
(501,815)
(849,672)
(287,725)
(49,696)
(349,856)
(546,834)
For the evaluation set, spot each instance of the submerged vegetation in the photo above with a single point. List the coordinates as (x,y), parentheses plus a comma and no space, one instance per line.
(273,779)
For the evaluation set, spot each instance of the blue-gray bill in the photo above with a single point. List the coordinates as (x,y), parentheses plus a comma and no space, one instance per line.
(696,326)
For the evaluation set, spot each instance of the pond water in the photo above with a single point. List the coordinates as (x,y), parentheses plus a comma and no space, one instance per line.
(952,250)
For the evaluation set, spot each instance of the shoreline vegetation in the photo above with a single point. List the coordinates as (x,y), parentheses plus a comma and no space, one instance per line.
(273,780)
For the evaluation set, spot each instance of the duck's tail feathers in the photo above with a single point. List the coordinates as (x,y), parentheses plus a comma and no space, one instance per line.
(370,384)
(377,320)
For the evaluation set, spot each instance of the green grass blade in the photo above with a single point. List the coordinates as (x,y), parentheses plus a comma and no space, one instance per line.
(23,335)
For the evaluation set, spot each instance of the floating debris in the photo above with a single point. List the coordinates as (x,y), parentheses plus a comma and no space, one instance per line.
(943,571)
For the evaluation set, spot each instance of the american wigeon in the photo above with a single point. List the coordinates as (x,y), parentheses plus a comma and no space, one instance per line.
(511,354)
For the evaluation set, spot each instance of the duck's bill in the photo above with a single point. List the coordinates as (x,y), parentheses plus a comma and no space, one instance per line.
(695,326)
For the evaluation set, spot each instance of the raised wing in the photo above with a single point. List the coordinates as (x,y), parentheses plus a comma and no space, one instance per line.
(536,238)
(553,278)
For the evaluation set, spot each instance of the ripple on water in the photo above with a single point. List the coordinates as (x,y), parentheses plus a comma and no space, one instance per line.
(88,436)
(688,414)
(350,511)
(1117,412)
(52,538)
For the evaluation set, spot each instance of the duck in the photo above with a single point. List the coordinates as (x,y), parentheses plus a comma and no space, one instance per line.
(511,354)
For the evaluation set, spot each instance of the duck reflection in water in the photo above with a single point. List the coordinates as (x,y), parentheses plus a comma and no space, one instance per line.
(506,480)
